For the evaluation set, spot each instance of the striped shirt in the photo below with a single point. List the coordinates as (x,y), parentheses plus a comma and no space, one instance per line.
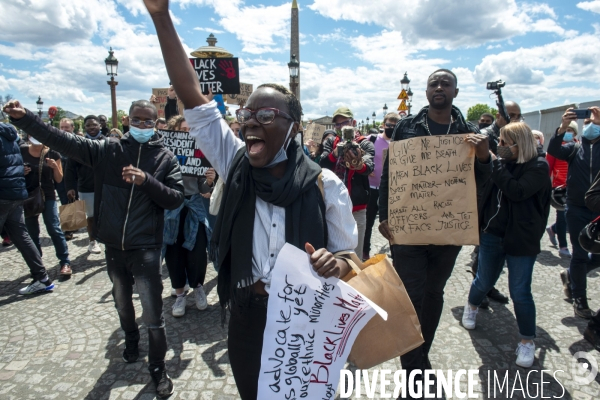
(220,145)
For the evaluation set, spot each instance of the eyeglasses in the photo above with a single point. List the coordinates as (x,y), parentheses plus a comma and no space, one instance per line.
(503,143)
(138,122)
(263,116)
(344,123)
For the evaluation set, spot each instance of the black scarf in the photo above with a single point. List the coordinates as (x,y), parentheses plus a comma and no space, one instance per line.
(232,239)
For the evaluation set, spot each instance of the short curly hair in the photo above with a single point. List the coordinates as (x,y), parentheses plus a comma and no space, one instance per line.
(293,104)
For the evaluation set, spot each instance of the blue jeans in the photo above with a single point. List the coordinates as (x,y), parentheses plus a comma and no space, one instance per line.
(520,272)
(560,228)
(52,222)
(577,218)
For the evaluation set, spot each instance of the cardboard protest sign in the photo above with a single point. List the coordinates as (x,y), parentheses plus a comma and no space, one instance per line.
(242,97)
(312,323)
(191,159)
(161,97)
(220,75)
(432,192)
(315,132)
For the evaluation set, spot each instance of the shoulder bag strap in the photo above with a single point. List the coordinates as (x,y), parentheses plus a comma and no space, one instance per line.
(45,151)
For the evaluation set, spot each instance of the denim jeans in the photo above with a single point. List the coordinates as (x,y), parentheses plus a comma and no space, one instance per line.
(372,208)
(361,223)
(424,270)
(13,221)
(577,219)
(52,222)
(560,228)
(123,266)
(520,272)
(62,191)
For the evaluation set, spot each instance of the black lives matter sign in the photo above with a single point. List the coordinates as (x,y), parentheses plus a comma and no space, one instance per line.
(191,159)
(219,75)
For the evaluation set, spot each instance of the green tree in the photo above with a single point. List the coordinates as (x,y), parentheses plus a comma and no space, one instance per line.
(474,112)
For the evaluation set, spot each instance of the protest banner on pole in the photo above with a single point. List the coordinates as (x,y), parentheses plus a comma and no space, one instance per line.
(314,132)
(161,101)
(191,159)
(312,323)
(432,193)
(220,75)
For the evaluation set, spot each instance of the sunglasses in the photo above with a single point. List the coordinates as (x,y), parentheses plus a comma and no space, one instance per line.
(390,125)
(345,123)
(263,116)
(138,122)
(503,143)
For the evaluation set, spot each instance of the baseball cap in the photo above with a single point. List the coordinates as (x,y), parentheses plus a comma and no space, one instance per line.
(344,112)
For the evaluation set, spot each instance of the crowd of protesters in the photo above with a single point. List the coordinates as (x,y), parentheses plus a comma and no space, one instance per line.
(324,200)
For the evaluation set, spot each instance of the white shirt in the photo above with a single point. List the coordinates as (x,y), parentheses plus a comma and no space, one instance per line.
(220,145)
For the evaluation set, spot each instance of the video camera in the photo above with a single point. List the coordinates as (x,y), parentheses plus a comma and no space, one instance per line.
(350,147)
(497,88)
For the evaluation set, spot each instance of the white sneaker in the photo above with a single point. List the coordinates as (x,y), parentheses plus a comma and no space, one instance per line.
(37,287)
(186,289)
(201,301)
(564,251)
(469,316)
(94,248)
(525,354)
(179,306)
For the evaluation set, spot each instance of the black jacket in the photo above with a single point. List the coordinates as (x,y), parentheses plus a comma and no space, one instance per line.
(525,207)
(12,173)
(79,177)
(357,182)
(410,127)
(493,134)
(592,197)
(128,217)
(584,165)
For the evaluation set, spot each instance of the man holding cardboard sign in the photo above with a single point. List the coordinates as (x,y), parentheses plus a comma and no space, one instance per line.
(426,263)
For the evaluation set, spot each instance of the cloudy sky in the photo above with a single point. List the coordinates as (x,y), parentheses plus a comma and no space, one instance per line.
(353,52)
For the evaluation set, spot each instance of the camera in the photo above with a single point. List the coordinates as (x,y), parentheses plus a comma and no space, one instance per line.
(496,85)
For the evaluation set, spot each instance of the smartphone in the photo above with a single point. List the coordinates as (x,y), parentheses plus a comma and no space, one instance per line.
(582,113)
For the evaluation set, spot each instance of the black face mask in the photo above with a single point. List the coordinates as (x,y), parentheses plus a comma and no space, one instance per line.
(388,132)
(483,125)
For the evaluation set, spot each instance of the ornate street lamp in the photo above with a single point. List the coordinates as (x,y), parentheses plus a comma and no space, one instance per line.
(405,82)
(385,108)
(112,64)
(294,67)
(373,119)
(410,96)
(40,105)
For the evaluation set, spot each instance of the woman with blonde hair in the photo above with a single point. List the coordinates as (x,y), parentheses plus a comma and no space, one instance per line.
(513,212)
(115,133)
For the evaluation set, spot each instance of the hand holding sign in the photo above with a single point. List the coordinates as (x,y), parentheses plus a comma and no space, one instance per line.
(325,264)
(482,146)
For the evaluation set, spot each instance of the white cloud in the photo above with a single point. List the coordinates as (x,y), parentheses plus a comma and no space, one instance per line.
(446,23)
(593,6)
(3,83)
(208,30)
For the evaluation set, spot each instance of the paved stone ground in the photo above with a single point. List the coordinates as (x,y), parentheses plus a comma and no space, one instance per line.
(67,344)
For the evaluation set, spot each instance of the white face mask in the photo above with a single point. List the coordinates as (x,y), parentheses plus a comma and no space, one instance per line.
(282,153)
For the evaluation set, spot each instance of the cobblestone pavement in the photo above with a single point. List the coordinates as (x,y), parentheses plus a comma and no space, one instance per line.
(67,344)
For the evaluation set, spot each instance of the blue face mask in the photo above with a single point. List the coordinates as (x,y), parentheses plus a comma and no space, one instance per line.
(568,137)
(141,135)
(591,131)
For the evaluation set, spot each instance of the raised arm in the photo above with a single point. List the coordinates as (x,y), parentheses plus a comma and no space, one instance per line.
(180,71)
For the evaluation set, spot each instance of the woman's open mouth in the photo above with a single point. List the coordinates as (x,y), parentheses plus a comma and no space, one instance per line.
(254,144)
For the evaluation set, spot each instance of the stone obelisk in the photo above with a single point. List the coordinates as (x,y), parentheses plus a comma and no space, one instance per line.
(295,42)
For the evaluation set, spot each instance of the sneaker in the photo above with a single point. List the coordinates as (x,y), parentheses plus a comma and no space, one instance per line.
(582,310)
(566,281)
(525,354)
(469,316)
(201,301)
(68,236)
(366,256)
(185,290)
(131,351)
(164,384)
(37,287)
(179,306)
(94,248)
(564,251)
(551,236)
(6,242)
